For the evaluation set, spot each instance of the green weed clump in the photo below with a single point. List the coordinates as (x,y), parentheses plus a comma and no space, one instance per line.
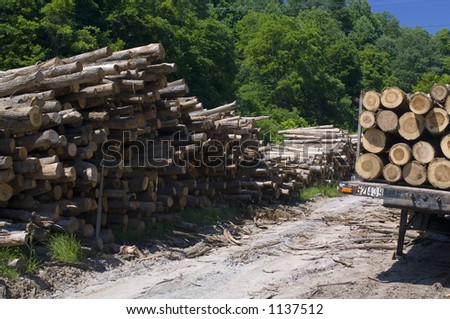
(7,254)
(328,190)
(65,248)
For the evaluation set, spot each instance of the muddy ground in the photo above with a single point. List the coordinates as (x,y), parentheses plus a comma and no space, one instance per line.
(328,248)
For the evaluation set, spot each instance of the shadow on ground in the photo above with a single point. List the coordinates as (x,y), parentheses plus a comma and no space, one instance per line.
(427,262)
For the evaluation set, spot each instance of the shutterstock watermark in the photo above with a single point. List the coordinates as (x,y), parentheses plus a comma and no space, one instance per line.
(183,150)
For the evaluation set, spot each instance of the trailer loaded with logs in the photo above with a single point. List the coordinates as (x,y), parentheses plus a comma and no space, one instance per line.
(404,156)
(103,140)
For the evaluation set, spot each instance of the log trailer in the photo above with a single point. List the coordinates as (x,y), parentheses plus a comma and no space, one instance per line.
(425,209)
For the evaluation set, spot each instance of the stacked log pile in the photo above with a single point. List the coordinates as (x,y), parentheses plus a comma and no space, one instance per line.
(311,156)
(102,136)
(406,137)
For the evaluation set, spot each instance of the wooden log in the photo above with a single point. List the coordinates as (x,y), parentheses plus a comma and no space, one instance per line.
(392,173)
(49,172)
(38,141)
(447,104)
(6,192)
(23,202)
(89,57)
(411,126)
(19,154)
(387,121)
(423,152)
(64,69)
(15,238)
(86,172)
(369,166)
(90,77)
(414,173)
(374,140)
(77,205)
(7,145)
(20,119)
(394,98)
(420,103)
(67,225)
(28,166)
(436,121)
(445,145)
(20,84)
(372,101)
(367,119)
(438,173)
(400,154)
(6,162)
(6,175)
(439,92)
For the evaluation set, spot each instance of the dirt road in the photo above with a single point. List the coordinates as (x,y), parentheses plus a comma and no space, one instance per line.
(331,248)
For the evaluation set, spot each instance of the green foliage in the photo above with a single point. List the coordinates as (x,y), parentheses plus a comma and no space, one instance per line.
(299,61)
(65,248)
(427,80)
(209,215)
(7,254)
(328,190)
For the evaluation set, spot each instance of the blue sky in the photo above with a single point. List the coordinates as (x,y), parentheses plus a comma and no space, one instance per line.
(432,15)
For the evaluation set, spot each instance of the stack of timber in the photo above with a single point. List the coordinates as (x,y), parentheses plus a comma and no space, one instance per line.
(406,138)
(311,156)
(103,136)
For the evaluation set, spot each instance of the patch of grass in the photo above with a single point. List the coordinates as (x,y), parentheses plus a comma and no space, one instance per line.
(159,229)
(209,215)
(7,254)
(65,248)
(329,190)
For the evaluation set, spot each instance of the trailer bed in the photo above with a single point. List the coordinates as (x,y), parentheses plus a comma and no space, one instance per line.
(420,208)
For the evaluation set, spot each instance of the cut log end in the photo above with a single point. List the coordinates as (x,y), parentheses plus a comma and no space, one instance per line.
(367,119)
(374,141)
(392,173)
(414,173)
(400,154)
(369,166)
(437,121)
(438,173)
(393,97)
(423,152)
(387,121)
(411,126)
(445,146)
(371,100)
(420,103)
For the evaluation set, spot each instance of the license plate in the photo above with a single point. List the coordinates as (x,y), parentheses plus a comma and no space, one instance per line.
(371,191)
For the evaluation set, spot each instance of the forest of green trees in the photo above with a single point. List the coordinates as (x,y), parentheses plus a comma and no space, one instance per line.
(303,62)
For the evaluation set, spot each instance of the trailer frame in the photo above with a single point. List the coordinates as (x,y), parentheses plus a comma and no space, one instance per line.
(420,208)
